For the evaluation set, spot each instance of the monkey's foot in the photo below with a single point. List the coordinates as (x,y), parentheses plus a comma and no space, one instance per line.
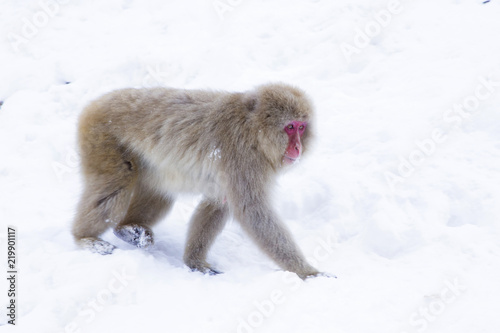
(137,235)
(97,245)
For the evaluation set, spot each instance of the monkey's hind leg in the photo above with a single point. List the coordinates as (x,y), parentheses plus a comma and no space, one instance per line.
(146,208)
(99,208)
(110,176)
(207,222)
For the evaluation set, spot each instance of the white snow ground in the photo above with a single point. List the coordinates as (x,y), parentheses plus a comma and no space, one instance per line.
(400,199)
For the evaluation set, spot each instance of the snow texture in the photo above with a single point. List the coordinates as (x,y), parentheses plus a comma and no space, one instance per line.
(399,198)
(215,154)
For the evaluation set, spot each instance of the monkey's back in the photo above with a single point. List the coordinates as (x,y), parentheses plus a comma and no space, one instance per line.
(160,127)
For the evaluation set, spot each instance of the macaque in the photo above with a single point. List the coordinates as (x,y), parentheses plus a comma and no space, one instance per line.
(140,148)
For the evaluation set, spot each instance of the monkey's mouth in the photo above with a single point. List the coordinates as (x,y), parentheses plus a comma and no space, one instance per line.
(290,160)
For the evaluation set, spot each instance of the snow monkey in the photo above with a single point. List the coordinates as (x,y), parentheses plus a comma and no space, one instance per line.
(141,147)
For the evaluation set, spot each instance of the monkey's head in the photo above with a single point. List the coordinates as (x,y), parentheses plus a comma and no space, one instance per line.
(283,115)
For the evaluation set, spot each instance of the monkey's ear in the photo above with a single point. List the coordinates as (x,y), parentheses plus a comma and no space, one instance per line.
(250,101)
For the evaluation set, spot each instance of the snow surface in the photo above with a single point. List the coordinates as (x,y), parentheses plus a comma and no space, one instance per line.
(400,197)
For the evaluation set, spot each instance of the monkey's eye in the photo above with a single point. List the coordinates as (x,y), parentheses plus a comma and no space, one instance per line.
(290,127)
(301,127)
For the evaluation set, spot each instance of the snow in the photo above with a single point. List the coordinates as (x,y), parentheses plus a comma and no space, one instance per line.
(215,154)
(399,198)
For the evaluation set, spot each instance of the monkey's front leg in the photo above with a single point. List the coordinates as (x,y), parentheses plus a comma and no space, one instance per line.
(207,222)
(275,240)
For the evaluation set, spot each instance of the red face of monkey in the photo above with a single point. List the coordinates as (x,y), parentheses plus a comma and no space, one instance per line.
(294,130)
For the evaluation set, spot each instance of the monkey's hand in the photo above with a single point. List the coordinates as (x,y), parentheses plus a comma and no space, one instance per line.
(321,274)
(203,267)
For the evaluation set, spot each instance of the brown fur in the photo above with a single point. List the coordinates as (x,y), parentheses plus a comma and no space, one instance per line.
(141,147)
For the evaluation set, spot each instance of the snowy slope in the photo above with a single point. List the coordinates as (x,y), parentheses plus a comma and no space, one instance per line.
(400,198)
